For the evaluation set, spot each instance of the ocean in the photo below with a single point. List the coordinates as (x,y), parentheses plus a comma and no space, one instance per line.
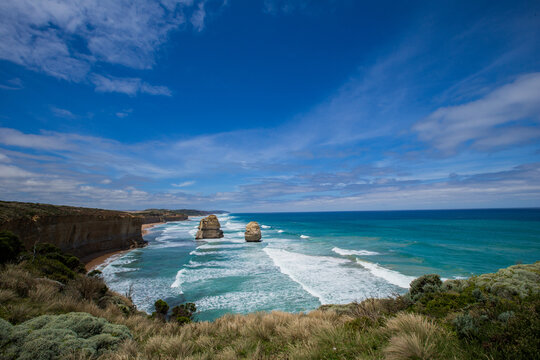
(309,259)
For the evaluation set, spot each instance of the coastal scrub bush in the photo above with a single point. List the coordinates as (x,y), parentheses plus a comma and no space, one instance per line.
(425,284)
(162,308)
(95,273)
(517,280)
(10,247)
(50,261)
(54,336)
(183,313)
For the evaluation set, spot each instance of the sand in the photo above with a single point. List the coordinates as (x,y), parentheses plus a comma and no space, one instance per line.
(94,263)
(145,227)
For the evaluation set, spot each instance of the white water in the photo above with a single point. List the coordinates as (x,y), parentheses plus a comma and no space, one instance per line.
(345,252)
(392,276)
(332,280)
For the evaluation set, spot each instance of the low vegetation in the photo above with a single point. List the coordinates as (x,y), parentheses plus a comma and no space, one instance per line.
(493,316)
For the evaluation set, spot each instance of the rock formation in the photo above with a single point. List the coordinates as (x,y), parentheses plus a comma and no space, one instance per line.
(83,232)
(253,232)
(209,228)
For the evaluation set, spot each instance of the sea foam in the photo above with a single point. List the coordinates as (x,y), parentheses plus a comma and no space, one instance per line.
(332,280)
(346,252)
(304,236)
(392,276)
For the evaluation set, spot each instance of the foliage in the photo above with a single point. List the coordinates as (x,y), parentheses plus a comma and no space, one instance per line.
(161,307)
(425,284)
(495,314)
(54,336)
(13,209)
(51,262)
(95,273)
(183,313)
(10,247)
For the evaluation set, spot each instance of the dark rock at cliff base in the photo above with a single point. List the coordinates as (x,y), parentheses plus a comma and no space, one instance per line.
(209,228)
(253,232)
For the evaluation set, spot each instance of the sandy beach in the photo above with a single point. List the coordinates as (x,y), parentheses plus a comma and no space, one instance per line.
(94,263)
(145,227)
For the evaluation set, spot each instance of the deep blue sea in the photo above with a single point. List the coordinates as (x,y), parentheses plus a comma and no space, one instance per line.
(309,259)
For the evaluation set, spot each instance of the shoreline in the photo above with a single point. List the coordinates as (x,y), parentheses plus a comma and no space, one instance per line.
(146,227)
(102,259)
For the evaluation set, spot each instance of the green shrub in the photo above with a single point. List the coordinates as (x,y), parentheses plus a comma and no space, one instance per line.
(184,313)
(466,326)
(10,247)
(517,280)
(54,336)
(5,331)
(161,307)
(50,261)
(51,268)
(94,273)
(440,304)
(425,284)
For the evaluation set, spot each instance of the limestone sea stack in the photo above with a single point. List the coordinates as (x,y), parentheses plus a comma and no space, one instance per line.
(253,232)
(209,228)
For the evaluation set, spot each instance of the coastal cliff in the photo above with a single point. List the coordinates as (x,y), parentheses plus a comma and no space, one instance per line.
(83,232)
(158,216)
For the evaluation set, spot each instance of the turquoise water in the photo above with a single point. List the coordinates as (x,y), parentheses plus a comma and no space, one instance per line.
(309,259)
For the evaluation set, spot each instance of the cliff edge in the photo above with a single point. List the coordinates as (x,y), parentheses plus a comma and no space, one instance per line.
(83,232)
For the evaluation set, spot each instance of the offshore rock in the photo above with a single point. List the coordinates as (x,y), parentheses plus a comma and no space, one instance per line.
(253,232)
(209,228)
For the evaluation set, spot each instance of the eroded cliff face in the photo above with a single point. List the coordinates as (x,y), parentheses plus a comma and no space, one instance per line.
(85,233)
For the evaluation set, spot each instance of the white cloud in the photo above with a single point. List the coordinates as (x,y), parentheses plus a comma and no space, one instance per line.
(129,86)
(508,115)
(12,137)
(197,18)
(8,171)
(66,38)
(63,113)
(124,113)
(184,184)
(12,84)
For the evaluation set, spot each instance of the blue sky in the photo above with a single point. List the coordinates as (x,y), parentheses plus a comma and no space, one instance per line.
(270,105)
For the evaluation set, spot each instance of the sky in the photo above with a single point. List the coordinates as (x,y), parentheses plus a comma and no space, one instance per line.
(270,105)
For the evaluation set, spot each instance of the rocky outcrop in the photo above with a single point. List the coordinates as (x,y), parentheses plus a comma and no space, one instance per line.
(209,228)
(253,232)
(85,233)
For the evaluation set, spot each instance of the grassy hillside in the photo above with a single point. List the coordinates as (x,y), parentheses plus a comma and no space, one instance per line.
(13,209)
(493,316)
(188,212)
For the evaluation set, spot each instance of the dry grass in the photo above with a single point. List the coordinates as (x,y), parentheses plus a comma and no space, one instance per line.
(13,277)
(7,295)
(416,337)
